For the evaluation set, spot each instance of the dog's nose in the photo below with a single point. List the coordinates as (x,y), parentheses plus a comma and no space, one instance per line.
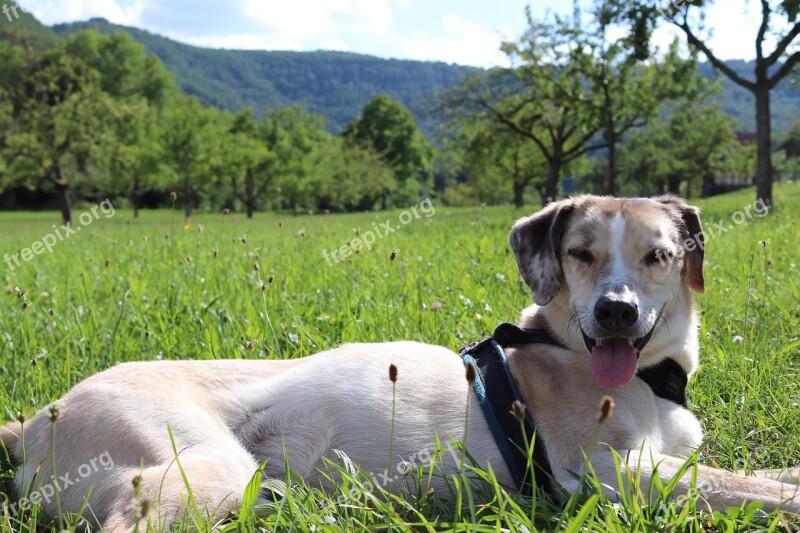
(614,315)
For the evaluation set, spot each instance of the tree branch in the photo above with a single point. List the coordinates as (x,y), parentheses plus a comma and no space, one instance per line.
(581,147)
(719,65)
(513,126)
(762,31)
(785,69)
(783,45)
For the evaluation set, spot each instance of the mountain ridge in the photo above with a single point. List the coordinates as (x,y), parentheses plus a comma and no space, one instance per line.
(334,84)
(337,84)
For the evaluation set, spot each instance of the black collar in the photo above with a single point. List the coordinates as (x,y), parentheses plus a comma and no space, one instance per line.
(667,380)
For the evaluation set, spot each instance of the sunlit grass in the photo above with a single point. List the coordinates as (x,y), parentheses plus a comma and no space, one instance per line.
(147,289)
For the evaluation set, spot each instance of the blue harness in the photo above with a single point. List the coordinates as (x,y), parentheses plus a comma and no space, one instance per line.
(497,391)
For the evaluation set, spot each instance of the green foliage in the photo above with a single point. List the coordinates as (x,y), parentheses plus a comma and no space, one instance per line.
(26,31)
(68,107)
(494,157)
(388,129)
(684,153)
(190,138)
(629,86)
(352,177)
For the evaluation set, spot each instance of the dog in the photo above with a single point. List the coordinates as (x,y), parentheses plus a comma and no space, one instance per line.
(612,281)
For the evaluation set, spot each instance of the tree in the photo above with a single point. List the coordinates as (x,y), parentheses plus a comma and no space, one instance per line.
(545,98)
(494,152)
(57,122)
(249,160)
(190,136)
(770,67)
(134,155)
(351,177)
(294,137)
(63,108)
(629,85)
(695,141)
(388,129)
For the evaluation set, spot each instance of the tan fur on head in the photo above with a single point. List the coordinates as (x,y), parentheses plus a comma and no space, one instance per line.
(10,434)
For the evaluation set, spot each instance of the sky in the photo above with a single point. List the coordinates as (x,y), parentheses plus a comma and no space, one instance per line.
(467,32)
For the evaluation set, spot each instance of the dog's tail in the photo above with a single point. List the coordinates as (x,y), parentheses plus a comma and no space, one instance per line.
(10,435)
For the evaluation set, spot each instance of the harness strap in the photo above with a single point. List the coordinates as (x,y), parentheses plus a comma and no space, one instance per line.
(497,390)
(513,438)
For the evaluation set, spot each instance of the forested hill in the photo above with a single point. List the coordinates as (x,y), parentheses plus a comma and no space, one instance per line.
(337,85)
(334,84)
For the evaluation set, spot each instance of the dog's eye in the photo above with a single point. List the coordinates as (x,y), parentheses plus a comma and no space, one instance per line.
(581,254)
(657,257)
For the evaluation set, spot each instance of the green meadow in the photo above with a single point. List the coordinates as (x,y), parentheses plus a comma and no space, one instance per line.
(223,287)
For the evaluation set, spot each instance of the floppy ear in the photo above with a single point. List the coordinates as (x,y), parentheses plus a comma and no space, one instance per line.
(691,232)
(536,241)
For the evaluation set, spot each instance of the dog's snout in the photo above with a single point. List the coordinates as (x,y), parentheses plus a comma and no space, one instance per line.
(614,314)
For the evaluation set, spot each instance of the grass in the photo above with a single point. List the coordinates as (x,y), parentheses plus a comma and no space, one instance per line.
(126,289)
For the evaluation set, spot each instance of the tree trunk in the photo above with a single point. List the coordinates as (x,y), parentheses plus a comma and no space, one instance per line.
(553,173)
(764,139)
(674,184)
(62,190)
(612,163)
(187,201)
(708,184)
(519,195)
(135,197)
(249,194)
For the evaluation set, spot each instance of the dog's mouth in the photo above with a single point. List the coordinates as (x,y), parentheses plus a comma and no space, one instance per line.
(614,359)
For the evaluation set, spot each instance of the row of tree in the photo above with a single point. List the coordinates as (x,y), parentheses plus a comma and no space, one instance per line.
(576,89)
(95,116)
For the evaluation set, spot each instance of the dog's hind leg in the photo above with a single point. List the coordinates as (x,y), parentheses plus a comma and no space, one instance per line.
(216,477)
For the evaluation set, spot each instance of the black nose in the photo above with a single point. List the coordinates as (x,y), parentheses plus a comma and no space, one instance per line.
(612,314)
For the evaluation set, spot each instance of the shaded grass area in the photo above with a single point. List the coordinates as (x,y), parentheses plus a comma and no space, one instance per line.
(147,289)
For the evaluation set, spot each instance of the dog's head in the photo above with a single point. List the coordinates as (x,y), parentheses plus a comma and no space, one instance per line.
(614,276)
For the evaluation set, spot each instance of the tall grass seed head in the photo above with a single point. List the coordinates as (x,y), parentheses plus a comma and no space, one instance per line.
(606,408)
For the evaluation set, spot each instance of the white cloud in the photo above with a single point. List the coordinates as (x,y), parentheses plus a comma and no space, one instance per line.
(300,25)
(52,12)
(314,19)
(464,42)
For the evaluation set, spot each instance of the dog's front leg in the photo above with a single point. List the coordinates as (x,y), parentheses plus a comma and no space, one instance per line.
(718,489)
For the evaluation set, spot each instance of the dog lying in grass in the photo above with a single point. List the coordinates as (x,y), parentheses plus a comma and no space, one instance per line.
(612,280)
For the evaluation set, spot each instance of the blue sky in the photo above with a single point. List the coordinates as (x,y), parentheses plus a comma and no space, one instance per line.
(464,32)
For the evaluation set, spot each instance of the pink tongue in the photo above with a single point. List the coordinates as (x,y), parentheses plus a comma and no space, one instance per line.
(613,362)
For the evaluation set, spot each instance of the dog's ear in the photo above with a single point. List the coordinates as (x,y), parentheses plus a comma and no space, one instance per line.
(692,239)
(536,241)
